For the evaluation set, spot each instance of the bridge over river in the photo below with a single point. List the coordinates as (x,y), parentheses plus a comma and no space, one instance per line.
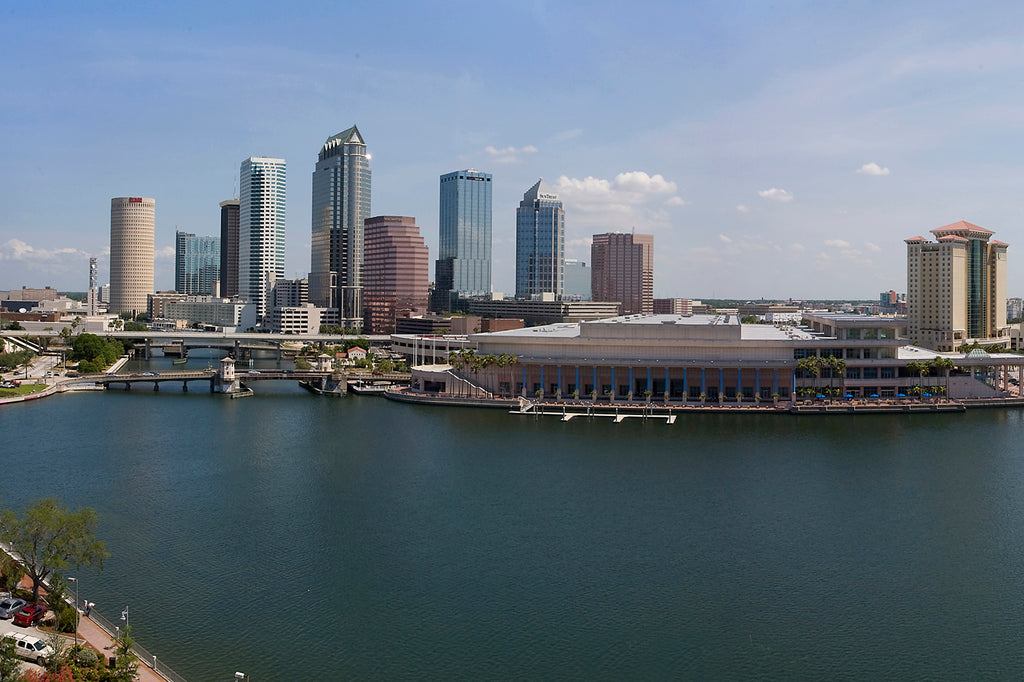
(226,380)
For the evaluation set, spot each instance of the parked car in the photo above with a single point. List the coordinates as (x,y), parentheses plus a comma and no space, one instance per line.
(10,606)
(30,614)
(255,371)
(29,647)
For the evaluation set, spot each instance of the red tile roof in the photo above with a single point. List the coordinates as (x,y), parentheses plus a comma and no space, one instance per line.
(961,225)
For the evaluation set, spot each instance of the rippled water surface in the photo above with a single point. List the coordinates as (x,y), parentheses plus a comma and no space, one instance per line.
(296,537)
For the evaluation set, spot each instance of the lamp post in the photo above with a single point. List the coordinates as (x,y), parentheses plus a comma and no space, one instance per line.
(75,581)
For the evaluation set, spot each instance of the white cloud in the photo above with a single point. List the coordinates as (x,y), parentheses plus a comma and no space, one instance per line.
(837,243)
(725,239)
(164,253)
(776,194)
(872,169)
(509,154)
(633,199)
(641,182)
(742,209)
(873,247)
(17,250)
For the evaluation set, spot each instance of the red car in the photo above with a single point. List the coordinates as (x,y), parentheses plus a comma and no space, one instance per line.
(30,615)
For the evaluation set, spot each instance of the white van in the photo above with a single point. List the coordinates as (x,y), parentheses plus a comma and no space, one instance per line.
(29,647)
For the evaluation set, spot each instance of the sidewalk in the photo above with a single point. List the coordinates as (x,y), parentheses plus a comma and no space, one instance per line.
(101,641)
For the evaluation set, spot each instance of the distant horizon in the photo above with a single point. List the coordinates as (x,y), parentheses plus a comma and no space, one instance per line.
(788,147)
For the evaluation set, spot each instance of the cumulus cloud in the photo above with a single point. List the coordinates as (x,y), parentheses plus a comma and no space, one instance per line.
(873,247)
(17,250)
(164,252)
(725,239)
(633,199)
(837,243)
(742,209)
(509,154)
(872,169)
(776,194)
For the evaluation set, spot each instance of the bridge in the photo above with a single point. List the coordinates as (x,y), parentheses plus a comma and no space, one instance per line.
(226,380)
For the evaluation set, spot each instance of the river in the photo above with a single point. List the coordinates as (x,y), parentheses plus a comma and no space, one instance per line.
(291,536)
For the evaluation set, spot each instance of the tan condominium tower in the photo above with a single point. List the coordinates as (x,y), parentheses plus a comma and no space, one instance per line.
(956,288)
(622,270)
(131,253)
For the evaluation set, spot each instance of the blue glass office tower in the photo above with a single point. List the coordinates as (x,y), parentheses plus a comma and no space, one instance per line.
(463,266)
(196,263)
(341,203)
(540,243)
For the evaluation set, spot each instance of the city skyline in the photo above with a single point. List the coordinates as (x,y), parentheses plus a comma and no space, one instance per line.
(777,151)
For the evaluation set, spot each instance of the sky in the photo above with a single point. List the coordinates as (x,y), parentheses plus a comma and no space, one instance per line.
(774,150)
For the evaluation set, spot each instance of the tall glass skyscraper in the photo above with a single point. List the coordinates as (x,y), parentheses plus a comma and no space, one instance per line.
(341,203)
(260,229)
(463,266)
(229,248)
(196,263)
(540,243)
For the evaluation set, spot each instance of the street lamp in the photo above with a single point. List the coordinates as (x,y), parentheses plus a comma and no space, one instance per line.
(75,581)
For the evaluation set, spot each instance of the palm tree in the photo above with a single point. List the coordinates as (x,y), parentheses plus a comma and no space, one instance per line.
(946,365)
(921,368)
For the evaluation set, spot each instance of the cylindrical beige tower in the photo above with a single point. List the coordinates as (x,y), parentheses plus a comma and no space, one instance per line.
(132,230)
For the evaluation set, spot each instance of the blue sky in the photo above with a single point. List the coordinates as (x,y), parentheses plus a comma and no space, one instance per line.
(774,150)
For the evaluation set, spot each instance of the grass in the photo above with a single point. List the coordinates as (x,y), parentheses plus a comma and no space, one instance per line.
(24,389)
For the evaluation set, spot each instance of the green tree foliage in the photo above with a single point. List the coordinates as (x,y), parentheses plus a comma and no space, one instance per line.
(50,537)
(10,667)
(135,327)
(95,353)
(125,662)
(9,361)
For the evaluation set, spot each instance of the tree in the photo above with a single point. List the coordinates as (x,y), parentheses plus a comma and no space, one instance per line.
(50,537)
(12,573)
(10,666)
(126,664)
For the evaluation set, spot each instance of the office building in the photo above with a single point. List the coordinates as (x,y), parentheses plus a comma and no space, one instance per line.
(576,280)
(623,270)
(261,212)
(463,266)
(956,288)
(132,234)
(229,248)
(341,204)
(540,243)
(196,263)
(395,272)
(291,292)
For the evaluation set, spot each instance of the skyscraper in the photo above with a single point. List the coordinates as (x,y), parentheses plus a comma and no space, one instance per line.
(341,204)
(463,266)
(956,288)
(260,229)
(132,227)
(395,272)
(196,263)
(229,248)
(623,270)
(540,243)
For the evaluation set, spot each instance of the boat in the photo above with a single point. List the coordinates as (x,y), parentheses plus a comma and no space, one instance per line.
(179,361)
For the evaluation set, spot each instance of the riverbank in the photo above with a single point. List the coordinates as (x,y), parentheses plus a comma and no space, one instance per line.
(576,408)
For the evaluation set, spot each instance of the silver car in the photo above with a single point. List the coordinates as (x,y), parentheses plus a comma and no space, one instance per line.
(10,606)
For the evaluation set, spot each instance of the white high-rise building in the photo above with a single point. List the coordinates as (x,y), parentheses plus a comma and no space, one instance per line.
(260,229)
(132,227)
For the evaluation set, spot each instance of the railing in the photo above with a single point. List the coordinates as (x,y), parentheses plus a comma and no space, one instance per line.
(145,658)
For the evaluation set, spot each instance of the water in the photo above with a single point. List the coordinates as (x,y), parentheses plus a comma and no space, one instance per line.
(292,536)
